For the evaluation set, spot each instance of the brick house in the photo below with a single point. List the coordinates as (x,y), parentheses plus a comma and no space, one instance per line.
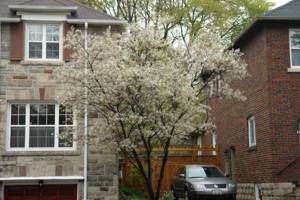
(35,163)
(259,138)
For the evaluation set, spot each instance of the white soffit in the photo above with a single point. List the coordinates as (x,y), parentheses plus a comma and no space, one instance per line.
(43,17)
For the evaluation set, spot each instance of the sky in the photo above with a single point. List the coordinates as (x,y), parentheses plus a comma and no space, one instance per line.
(280,2)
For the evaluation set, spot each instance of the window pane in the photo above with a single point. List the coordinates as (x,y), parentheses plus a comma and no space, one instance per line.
(14,109)
(65,137)
(41,137)
(62,109)
(50,119)
(52,51)
(42,114)
(42,109)
(22,109)
(295,39)
(65,115)
(62,119)
(296,57)
(51,109)
(42,120)
(52,33)
(251,131)
(17,137)
(35,50)
(18,112)
(22,119)
(14,119)
(33,119)
(35,32)
(34,109)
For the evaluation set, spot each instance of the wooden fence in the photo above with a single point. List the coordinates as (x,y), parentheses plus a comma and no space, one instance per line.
(178,156)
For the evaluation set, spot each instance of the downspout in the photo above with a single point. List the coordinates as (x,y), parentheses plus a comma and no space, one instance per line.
(85,118)
(0,39)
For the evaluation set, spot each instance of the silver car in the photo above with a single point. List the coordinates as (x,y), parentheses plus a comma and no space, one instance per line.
(203,182)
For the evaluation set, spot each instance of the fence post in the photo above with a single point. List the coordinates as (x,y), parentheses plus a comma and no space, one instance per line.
(218,156)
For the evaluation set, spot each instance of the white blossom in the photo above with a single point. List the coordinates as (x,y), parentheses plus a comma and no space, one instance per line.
(144,91)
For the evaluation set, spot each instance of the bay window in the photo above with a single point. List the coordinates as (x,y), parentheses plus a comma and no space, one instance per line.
(40,126)
(44,41)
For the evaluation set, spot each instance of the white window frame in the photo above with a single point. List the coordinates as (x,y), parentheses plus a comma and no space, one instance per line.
(251,143)
(44,41)
(290,46)
(27,126)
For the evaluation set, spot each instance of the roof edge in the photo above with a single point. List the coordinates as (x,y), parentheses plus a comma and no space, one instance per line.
(97,21)
(8,19)
(262,19)
(74,21)
(42,8)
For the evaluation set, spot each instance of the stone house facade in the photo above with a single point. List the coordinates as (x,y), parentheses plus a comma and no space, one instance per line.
(35,162)
(259,138)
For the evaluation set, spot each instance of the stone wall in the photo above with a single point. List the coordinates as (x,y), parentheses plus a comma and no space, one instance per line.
(268,191)
(102,176)
(37,82)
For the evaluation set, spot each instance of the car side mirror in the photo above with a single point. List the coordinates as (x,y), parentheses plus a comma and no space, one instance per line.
(227,175)
(181,175)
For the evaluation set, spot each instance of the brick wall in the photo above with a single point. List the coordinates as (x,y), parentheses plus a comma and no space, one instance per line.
(273,98)
(284,101)
(231,116)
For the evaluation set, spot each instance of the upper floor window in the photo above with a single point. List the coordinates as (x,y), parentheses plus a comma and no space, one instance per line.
(40,127)
(43,41)
(251,131)
(295,47)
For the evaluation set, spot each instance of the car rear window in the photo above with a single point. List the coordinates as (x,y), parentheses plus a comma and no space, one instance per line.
(204,172)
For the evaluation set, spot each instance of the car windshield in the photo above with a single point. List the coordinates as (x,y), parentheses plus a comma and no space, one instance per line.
(204,172)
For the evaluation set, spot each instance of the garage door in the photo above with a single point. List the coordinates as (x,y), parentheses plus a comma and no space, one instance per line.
(45,192)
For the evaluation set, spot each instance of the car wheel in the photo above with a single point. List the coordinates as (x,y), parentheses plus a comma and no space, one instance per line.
(173,193)
(187,195)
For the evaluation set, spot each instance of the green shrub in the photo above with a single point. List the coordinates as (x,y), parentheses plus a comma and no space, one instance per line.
(127,193)
(168,196)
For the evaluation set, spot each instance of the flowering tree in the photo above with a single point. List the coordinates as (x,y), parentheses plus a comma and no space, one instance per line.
(146,92)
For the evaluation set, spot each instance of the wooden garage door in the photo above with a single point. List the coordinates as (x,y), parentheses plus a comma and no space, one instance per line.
(45,192)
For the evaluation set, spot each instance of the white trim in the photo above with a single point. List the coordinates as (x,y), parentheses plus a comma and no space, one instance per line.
(27,126)
(46,178)
(85,159)
(44,42)
(42,8)
(54,17)
(251,143)
(8,122)
(27,122)
(290,48)
(8,19)
(294,69)
(97,21)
